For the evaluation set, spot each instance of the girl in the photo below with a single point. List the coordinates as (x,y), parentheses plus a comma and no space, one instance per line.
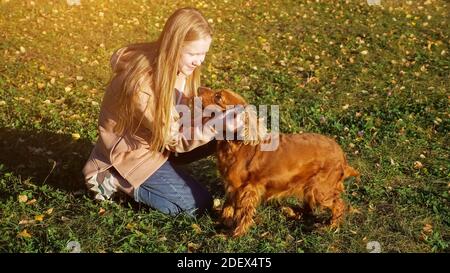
(138,126)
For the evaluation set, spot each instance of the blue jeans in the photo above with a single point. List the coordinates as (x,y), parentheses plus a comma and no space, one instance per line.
(172,191)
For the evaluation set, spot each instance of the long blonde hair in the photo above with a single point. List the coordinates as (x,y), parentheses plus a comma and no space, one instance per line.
(156,64)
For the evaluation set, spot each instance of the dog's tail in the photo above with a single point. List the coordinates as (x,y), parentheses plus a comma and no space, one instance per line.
(350,171)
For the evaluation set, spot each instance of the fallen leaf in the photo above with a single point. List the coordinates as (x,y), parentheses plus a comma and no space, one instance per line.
(418,165)
(49,211)
(24,234)
(75,136)
(288,212)
(216,203)
(354,210)
(193,247)
(196,228)
(101,211)
(26,222)
(427,228)
(39,217)
(32,201)
(23,198)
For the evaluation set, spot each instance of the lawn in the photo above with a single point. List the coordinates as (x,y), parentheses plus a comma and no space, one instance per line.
(376,78)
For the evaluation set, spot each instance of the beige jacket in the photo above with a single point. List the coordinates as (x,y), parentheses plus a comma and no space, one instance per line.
(130,155)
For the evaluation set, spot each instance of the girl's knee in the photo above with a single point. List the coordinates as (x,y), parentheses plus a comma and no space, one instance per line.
(184,204)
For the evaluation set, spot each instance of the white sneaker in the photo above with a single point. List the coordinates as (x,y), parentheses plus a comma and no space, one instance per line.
(103,184)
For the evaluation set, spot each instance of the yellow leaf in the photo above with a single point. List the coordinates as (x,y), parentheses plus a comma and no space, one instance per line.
(354,210)
(196,228)
(428,228)
(39,217)
(23,198)
(24,234)
(193,247)
(288,212)
(26,222)
(49,211)
(75,136)
(32,201)
(216,203)
(418,165)
(130,226)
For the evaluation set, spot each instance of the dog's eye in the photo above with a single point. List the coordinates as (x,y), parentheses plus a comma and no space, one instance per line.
(217,98)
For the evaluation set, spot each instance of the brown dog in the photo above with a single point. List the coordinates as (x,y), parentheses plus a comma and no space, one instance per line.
(310,167)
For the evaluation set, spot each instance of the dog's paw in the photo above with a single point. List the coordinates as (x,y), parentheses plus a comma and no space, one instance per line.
(227,216)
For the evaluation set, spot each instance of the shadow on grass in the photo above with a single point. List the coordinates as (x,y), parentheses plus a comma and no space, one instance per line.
(58,159)
(45,157)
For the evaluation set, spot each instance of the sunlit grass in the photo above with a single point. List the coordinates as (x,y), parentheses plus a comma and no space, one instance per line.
(374,77)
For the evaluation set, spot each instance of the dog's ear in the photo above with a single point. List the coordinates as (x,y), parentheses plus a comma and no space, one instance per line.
(202,89)
(254,130)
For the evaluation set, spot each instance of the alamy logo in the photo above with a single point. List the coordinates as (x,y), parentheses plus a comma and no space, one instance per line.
(373,247)
(236,122)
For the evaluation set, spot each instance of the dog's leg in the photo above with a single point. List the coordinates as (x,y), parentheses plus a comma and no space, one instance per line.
(331,197)
(228,207)
(337,211)
(228,212)
(247,201)
(324,192)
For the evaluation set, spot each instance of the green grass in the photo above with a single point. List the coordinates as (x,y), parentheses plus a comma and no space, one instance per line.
(375,78)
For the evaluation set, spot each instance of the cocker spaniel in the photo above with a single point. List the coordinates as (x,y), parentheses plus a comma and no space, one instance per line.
(310,167)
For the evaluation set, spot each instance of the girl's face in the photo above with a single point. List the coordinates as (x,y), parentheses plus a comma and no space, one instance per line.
(192,55)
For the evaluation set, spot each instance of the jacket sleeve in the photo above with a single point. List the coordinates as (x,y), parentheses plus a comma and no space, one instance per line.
(181,138)
(184,139)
